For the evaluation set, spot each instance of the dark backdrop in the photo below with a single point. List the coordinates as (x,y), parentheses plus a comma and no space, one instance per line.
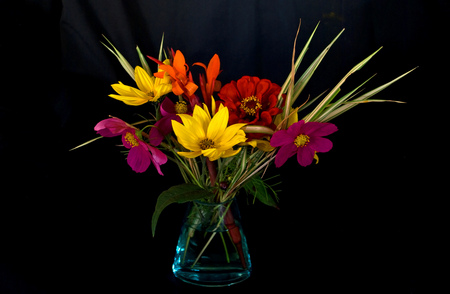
(365,219)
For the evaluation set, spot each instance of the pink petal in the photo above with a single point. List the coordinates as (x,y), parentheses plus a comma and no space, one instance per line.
(139,159)
(281,138)
(284,153)
(162,128)
(305,156)
(158,158)
(320,144)
(318,129)
(111,127)
(296,128)
(155,137)
(167,107)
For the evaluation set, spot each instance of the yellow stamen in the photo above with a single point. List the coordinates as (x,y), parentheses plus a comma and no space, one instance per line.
(301,140)
(129,137)
(181,107)
(250,105)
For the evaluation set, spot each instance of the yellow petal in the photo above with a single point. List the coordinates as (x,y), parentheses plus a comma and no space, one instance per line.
(129,100)
(144,82)
(140,94)
(263,145)
(231,132)
(230,152)
(186,137)
(213,105)
(316,157)
(239,137)
(122,89)
(190,154)
(213,153)
(218,124)
(252,143)
(161,91)
(202,117)
(194,125)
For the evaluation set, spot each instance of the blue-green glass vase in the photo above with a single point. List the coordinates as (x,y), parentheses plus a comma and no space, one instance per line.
(212,249)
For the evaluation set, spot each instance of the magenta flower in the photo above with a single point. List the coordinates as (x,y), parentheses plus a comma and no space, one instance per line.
(303,139)
(141,154)
(169,112)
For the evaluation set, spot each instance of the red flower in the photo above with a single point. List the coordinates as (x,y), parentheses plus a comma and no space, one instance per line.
(252,101)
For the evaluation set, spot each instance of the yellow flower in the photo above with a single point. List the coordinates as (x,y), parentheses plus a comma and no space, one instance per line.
(261,144)
(150,88)
(208,137)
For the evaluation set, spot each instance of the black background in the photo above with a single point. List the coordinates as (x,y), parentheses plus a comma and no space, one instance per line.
(368,218)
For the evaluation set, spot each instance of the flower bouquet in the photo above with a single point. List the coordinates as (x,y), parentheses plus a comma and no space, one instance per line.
(223,138)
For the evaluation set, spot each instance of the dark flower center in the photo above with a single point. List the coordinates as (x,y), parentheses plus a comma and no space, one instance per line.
(250,105)
(206,144)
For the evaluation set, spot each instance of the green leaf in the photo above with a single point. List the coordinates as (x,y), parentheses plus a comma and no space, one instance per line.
(177,194)
(258,188)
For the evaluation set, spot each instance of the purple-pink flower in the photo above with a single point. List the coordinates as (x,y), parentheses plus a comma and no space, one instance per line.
(141,154)
(303,139)
(169,112)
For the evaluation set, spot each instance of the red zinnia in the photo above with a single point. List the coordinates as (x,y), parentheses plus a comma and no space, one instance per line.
(252,101)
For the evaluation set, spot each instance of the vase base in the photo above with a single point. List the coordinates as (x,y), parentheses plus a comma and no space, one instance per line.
(215,278)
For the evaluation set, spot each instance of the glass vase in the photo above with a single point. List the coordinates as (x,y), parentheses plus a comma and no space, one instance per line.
(212,249)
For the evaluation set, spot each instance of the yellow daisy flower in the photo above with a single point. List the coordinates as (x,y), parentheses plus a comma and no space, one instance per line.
(150,88)
(208,137)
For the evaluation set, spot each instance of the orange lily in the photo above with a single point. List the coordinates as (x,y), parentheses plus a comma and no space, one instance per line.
(212,71)
(181,81)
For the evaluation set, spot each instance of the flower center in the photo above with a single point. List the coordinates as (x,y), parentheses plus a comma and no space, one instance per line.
(181,107)
(250,105)
(206,144)
(301,140)
(129,137)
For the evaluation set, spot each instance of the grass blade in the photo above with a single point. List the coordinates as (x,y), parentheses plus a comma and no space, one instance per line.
(161,48)
(85,143)
(306,76)
(125,64)
(363,99)
(297,64)
(321,106)
(341,101)
(143,62)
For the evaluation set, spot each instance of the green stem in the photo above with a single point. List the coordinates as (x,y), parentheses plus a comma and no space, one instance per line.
(185,250)
(203,250)
(222,217)
(225,247)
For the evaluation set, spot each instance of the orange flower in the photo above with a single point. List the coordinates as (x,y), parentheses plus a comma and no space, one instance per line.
(212,85)
(178,72)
